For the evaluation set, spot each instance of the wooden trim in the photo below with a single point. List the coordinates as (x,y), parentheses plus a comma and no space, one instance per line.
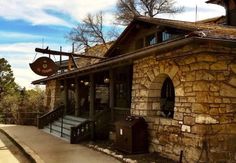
(54,52)
(117,108)
(76,97)
(157,49)
(65,95)
(111,92)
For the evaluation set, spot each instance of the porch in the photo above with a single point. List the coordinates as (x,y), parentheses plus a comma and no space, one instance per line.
(94,100)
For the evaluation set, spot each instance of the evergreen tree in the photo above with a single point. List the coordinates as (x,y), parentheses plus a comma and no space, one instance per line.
(7,83)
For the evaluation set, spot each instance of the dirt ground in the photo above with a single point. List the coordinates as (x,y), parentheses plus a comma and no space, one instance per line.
(9,152)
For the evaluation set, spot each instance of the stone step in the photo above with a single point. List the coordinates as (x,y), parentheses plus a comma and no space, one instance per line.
(65,125)
(76,119)
(68,122)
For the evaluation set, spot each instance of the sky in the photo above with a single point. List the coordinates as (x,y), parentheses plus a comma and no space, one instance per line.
(27,24)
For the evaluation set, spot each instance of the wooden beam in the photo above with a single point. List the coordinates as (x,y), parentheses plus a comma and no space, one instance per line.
(54,52)
(69,63)
(76,97)
(111,93)
(91,103)
(65,95)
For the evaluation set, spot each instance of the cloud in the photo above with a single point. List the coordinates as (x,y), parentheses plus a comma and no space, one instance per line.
(19,55)
(204,10)
(18,35)
(36,12)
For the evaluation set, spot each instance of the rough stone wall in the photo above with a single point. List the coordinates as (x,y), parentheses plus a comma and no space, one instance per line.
(53,94)
(204,122)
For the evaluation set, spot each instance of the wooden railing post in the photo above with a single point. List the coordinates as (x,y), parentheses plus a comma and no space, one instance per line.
(62,125)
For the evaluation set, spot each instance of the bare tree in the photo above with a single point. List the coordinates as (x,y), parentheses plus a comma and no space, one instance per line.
(127,9)
(91,31)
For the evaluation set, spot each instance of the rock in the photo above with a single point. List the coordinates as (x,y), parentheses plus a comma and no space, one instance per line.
(232,81)
(189,60)
(188,120)
(220,65)
(227,90)
(206,58)
(233,67)
(179,91)
(200,66)
(199,108)
(186,128)
(205,119)
(200,86)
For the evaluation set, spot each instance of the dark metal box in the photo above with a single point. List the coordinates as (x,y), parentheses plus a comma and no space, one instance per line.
(131,135)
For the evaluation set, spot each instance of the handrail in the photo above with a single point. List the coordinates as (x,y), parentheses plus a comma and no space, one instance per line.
(80,131)
(50,117)
(83,130)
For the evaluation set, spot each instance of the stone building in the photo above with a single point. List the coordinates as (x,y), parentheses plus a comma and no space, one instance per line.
(180,76)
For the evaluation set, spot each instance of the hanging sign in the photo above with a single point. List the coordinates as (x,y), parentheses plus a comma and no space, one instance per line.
(44,66)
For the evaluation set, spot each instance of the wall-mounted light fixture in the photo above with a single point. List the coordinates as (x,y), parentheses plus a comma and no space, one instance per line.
(72,85)
(61,86)
(106,80)
(86,83)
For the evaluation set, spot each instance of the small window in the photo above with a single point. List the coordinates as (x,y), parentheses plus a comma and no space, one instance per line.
(168,35)
(150,40)
(167,98)
(139,43)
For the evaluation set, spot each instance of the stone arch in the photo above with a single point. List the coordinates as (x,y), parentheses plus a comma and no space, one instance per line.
(154,94)
(157,76)
(147,83)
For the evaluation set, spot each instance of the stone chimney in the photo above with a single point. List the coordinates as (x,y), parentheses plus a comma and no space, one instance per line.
(230,7)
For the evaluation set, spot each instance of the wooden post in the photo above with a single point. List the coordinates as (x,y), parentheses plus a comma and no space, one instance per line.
(65,96)
(69,63)
(91,103)
(111,93)
(76,97)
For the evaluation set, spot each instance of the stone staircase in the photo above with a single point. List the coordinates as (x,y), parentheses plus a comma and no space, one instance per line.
(62,127)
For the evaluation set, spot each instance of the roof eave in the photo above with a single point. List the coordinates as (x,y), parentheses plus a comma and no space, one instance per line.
(130,56)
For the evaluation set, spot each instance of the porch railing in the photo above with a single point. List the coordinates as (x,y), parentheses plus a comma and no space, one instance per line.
(50,117)
(84,130)
(80,132)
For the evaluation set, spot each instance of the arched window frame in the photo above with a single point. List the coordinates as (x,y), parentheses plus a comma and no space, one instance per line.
(167,99)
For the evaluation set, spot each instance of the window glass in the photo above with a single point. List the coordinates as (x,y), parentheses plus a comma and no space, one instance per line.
(151,40)
(167,35)
(167,98)
(123,82)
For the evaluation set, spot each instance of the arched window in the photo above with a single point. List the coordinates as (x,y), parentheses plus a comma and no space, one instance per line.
(167,98)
